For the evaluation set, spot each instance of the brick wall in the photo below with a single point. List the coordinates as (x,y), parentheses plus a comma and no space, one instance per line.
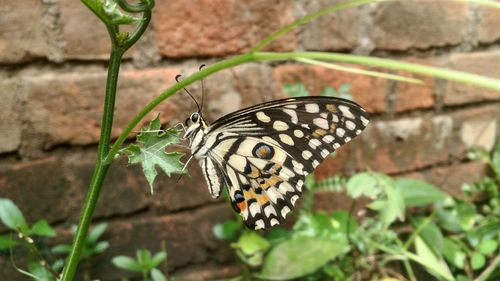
(52,77)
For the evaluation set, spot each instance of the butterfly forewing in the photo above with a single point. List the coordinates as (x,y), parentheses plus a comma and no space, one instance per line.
(263,153)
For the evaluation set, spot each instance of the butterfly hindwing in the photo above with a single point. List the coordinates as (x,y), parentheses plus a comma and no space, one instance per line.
(263,153)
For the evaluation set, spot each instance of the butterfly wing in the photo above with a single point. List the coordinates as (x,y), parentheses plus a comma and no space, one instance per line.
(264,152)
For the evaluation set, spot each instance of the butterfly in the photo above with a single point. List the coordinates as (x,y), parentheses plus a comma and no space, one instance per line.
(262,154)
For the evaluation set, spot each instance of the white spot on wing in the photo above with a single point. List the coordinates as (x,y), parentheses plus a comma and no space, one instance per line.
(294,199)
(263,117)
(313,143)
(328,138)
(350,125)
(306,154)
(340,132)
(312,108)
(254,209)
(286,139)
(259,224)
(346,111)
(315,163)
(274,222)
(298,133)
(324,153)
(285,211)
(320,122)
(364,121)
(293,115)
(280,126)
(269,210)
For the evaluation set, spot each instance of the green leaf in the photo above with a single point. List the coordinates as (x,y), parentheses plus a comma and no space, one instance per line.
(430,234)
(278,235)
(363,184)
(433,264)
(156,275)
(150,151)
(453,253)
(127,263)
(37,269)
(346,223)
(250,243)
(226,230)
(463,278)
(298,257)
(11,216)
(477,261)
(144,258)
(96,233)
(158,258)
(487,247)
(100,247)
(295,90)
(6,242)
(42,228)
(479,154)
(61,249)
(395,207)
(418,193)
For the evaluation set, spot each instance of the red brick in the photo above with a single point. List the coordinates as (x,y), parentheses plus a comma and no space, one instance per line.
(413,143)
(483,63)
(66,107)
(451,178)
(403,25)
(369,92)
(218,28)
(10,122)
(22,36)
(411,96)
(338,31)
(489,21)
(414,96)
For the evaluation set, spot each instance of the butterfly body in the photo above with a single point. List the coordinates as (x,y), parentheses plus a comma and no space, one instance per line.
(263,153)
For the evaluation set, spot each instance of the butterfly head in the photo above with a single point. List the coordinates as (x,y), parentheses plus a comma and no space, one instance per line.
(193,124)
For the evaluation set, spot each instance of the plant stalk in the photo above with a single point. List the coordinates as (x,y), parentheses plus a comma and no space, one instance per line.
(100,169)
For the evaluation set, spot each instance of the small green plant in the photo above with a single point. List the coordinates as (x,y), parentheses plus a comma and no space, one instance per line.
(144,263)
(411,222)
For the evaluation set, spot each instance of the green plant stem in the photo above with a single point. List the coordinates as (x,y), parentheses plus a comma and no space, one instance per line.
(100,169)
(419,229)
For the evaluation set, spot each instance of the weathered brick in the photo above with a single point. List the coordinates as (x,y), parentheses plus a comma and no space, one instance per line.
(66,107)
(414,96)
(451,178)
(411,96)
(218,28)
(59,183)
(234,89)
(489,21)
(10,123)
(403,25)
(483,63)
(412,143)
(21,35)
(187,235)
(369,92)
(338,31)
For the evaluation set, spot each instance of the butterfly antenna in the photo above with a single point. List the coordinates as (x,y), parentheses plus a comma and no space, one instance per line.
(202,89)
(197,105)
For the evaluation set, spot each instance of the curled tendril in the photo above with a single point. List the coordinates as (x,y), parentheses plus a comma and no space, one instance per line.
(142,6)
(145,7)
